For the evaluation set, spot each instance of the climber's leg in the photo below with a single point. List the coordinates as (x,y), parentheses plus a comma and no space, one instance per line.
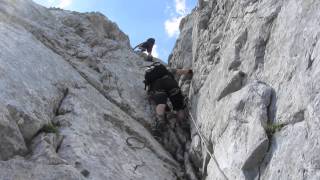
(160,98)
(177,101)
(160,109)
(180,115)
(160,121)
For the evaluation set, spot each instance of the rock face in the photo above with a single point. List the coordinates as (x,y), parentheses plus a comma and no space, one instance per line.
(72,101)
(72,104)
(255,91)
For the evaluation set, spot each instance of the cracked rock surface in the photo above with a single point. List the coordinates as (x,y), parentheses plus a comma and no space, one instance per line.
(275,44)
(73,106)
(71,96)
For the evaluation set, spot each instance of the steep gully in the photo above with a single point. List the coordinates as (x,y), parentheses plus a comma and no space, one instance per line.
(176,139)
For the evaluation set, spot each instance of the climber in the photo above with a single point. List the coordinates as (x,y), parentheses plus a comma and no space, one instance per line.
(161,85)
(147,46)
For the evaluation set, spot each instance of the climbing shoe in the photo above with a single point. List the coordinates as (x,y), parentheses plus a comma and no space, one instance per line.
(161,122)
(159,126)
(155,131)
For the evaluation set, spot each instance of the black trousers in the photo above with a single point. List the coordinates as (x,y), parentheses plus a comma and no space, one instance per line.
(165,88)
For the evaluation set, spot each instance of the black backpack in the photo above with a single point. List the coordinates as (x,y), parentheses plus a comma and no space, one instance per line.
(155,71)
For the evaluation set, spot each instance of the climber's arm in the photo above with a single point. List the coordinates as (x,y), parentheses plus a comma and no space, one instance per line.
(139,45)
(184,71)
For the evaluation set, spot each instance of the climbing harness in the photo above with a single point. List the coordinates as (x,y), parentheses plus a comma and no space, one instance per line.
(206,143)
(174,92)
(130,144)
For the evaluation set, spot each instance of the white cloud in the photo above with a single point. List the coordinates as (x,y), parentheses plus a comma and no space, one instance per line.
(64,3)
(155,51)
(55,3)
(172,26)
(181,7)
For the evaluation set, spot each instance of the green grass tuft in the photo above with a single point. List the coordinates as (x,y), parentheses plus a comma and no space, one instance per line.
(50,128)
(273,128)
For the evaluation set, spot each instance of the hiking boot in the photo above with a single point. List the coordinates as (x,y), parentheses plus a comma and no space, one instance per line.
(155,133)
(161,122)
(159,126)
(184,125)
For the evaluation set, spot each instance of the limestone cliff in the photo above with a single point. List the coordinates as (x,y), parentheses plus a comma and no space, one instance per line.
(73,105)
(72,101)
(255,91)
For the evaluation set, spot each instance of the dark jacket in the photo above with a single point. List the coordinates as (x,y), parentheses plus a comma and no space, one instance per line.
(147,45)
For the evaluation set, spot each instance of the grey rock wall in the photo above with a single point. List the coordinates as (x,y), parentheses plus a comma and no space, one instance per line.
(72,101)
(255,91)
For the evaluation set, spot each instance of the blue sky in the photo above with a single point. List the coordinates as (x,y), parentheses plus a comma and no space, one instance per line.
(140,19)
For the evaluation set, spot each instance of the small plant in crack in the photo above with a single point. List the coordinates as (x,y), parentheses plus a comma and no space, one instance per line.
(273,128)
(50,128)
